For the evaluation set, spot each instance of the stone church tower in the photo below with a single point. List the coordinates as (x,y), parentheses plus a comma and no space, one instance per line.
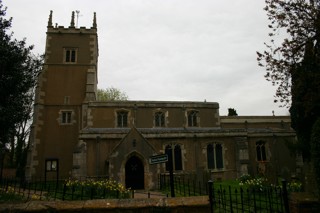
(67,83)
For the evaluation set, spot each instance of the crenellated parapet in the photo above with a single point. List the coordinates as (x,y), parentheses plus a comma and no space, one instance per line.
(72,28)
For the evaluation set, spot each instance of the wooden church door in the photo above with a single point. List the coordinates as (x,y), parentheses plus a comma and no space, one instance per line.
(134,173)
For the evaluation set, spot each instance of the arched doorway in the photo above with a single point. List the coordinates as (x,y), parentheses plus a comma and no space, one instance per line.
(134,173)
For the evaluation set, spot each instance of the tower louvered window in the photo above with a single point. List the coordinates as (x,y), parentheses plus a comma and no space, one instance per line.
(70,55)
(66,117)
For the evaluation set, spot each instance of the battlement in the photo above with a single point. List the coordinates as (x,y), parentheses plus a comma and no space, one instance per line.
(72,28)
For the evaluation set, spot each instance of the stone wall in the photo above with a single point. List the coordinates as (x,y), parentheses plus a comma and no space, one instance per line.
(8,173)
(185,204)
(299,203)
(302,202)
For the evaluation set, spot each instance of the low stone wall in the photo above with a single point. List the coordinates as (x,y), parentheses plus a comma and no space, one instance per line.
(8,173)
(302,202)
(183,204)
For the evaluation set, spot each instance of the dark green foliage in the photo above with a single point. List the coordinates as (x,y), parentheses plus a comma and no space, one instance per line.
(315,151)
(232,112)
(111,94)
(10,197)
(294,66)
(18,72)
(305,107)
(299,20)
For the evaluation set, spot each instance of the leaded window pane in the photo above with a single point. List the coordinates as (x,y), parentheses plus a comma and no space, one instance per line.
(177,158)
(73,56)
(159,119)
(68,55)
(192,118)
(219,158)
(261,151)
(168,151)
(215,156)
(210,157)
(66,117)
(122,119)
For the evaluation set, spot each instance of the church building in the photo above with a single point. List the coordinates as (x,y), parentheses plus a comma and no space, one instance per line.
(75,135)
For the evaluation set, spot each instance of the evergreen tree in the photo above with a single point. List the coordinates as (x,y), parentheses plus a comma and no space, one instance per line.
(315,152)
(305,107)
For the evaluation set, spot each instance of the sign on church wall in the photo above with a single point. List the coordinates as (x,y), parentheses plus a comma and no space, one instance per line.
(158,159)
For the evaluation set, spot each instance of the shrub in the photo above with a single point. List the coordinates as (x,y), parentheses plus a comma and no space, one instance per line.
(100,189)
(244,178)
(295,186)
(10,195)
(261,183)
(251,183)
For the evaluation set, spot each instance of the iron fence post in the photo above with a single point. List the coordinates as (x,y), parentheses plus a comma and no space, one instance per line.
(230,198)
(171,173)
(211,197)
(285,196)
(64,191)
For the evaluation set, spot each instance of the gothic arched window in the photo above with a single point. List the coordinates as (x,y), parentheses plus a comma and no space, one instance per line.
(192,118)
(122,119)
(214,156)
(261,151)
(159,119)
(176,155)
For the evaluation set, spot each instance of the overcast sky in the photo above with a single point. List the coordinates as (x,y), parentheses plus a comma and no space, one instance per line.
(171,50)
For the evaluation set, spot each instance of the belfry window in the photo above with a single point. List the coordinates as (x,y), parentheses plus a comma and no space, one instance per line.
(174,152)
(122,119)
(66,117)
(192,118)
(70,55)
(214,156)
(159,119)
(261,151)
